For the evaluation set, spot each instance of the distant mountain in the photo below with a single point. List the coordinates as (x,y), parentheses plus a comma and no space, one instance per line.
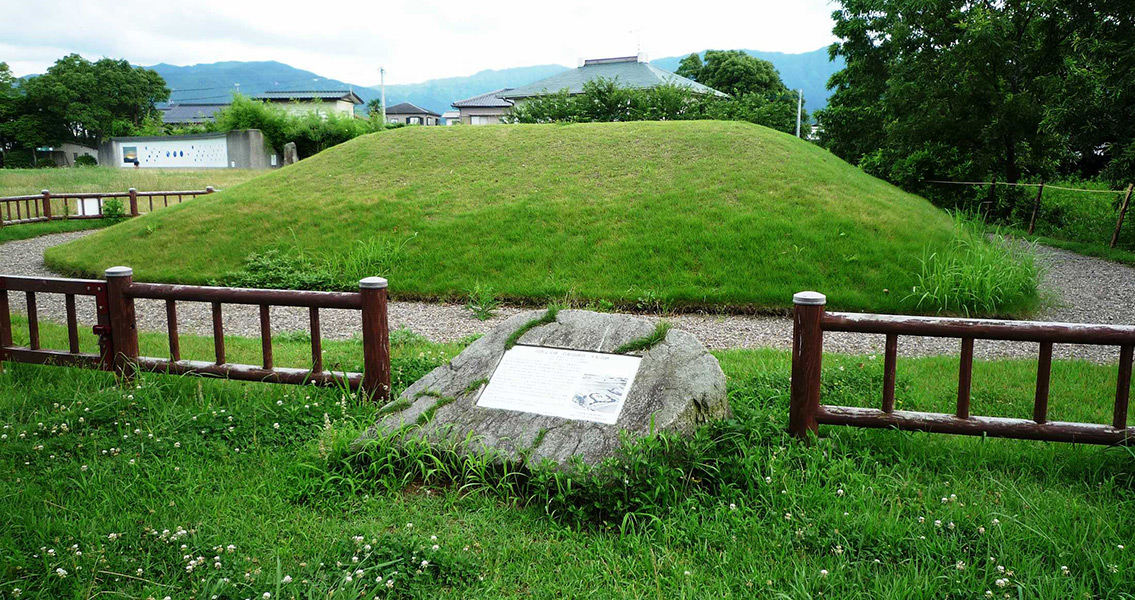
(809,71)
(216,82)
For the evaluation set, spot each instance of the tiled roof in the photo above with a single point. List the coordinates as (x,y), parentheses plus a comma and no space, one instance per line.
(407,108)
(190,113)
(347,95)
(628,72)
(487,100)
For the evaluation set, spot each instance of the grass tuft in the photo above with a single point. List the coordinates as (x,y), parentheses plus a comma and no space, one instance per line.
(976,276)
(549,316)
(647,342)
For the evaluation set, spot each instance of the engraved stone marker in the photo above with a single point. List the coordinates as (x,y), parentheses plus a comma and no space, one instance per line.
(562,391)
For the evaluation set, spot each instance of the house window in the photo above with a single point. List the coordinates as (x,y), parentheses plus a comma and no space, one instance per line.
(415,120)
(483,120)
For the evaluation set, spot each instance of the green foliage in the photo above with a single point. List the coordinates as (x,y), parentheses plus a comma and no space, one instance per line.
(646,342)
(83,101)
(974,276)
(274,269)
(113,209)
(757,96)
(86,160)
(312,131)
(482,302)
(968,91)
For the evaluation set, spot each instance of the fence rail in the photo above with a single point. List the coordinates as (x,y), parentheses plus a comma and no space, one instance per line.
(806,413)
(46,206)
(118,332)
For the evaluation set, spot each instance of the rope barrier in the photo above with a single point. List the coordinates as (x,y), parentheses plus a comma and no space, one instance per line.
(1047,186)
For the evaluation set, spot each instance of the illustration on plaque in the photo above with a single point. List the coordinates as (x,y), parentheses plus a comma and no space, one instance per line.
(129,154)
(601,393)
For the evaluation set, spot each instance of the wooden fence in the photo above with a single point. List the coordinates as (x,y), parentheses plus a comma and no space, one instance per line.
(46,206)
(811,320)
(118,332)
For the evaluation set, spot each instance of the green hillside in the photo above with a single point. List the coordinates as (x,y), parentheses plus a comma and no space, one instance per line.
(681,214)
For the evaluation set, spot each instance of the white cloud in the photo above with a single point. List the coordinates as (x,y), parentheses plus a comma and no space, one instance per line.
(414,39)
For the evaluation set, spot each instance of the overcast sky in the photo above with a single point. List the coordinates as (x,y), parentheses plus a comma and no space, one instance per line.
(414,39)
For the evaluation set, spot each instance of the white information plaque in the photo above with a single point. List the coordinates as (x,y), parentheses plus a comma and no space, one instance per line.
(571,384)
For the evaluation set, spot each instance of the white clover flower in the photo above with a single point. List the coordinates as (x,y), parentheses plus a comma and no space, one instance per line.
(921,519)
(433,538)
(981,529)
(768,479)
(787,516)
(266,595)
(1064,570)
(425,563)
(434,547)
(823,572)
(61,572)
(389,583)
(275,425)
(961,566)
(995,522)
(839,492)
(1002,582)
(732,506)
(937,522)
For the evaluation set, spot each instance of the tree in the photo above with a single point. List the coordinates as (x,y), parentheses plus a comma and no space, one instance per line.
(374,107)
(77,100)
(737,73)
(9,111)
(969,89)
(690,67)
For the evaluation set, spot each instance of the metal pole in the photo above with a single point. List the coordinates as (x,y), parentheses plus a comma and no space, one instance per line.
(382,100)
(799,110)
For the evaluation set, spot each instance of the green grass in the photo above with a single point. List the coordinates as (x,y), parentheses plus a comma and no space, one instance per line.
(31,230)
(21,182)
(687,214)
(739,511)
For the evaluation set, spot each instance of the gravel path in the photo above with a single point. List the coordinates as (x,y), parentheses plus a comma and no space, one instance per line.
(1083,290)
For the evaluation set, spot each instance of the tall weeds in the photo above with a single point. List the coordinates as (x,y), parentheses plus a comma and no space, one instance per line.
(979,273)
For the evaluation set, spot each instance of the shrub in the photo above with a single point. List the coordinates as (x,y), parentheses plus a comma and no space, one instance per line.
(86,160)
(114,209)
(275,270)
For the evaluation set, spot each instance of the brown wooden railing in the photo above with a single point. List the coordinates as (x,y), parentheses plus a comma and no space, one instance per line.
(811,320)
(118,332)
(46,206)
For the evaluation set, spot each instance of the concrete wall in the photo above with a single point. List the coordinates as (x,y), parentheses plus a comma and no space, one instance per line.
(65,154)
(467,114)
(242,149)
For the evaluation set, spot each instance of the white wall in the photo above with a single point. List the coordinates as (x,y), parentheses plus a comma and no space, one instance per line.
(195,153)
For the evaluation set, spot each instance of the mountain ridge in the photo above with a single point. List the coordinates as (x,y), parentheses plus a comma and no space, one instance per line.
(215,82)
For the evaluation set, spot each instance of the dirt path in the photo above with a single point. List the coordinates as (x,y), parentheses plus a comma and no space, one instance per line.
(1083,289)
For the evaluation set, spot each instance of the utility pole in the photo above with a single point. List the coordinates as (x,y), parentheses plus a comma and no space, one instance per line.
(382,97)
(799,111)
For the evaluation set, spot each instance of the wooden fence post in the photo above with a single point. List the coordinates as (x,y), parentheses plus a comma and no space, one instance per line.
(209,189)
(46,203)
(5,328)
(123,327)
(807,356)
(1122,211)
(133,202)
(376,338)
(1036,208)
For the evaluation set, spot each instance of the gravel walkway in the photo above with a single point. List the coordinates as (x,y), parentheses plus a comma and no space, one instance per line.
(1083,290)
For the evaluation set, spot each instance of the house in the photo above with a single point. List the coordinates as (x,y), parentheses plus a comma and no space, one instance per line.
(451,117)
(485,109)
(627,71)
(411,114)
(67,153)
(317,101)
(190,114)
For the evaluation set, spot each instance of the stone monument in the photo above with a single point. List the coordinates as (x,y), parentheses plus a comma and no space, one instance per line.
(290,155)
(553,385)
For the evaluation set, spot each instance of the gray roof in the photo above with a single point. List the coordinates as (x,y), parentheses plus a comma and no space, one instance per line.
(406,108)
(190,113)
(628,72)
(288,95)
(487,100)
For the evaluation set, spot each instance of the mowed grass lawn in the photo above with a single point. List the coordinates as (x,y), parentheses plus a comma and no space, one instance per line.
(23,182)
(683,214)
(185,487)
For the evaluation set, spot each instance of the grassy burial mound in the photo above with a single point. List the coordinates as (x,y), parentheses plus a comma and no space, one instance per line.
(648,214)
